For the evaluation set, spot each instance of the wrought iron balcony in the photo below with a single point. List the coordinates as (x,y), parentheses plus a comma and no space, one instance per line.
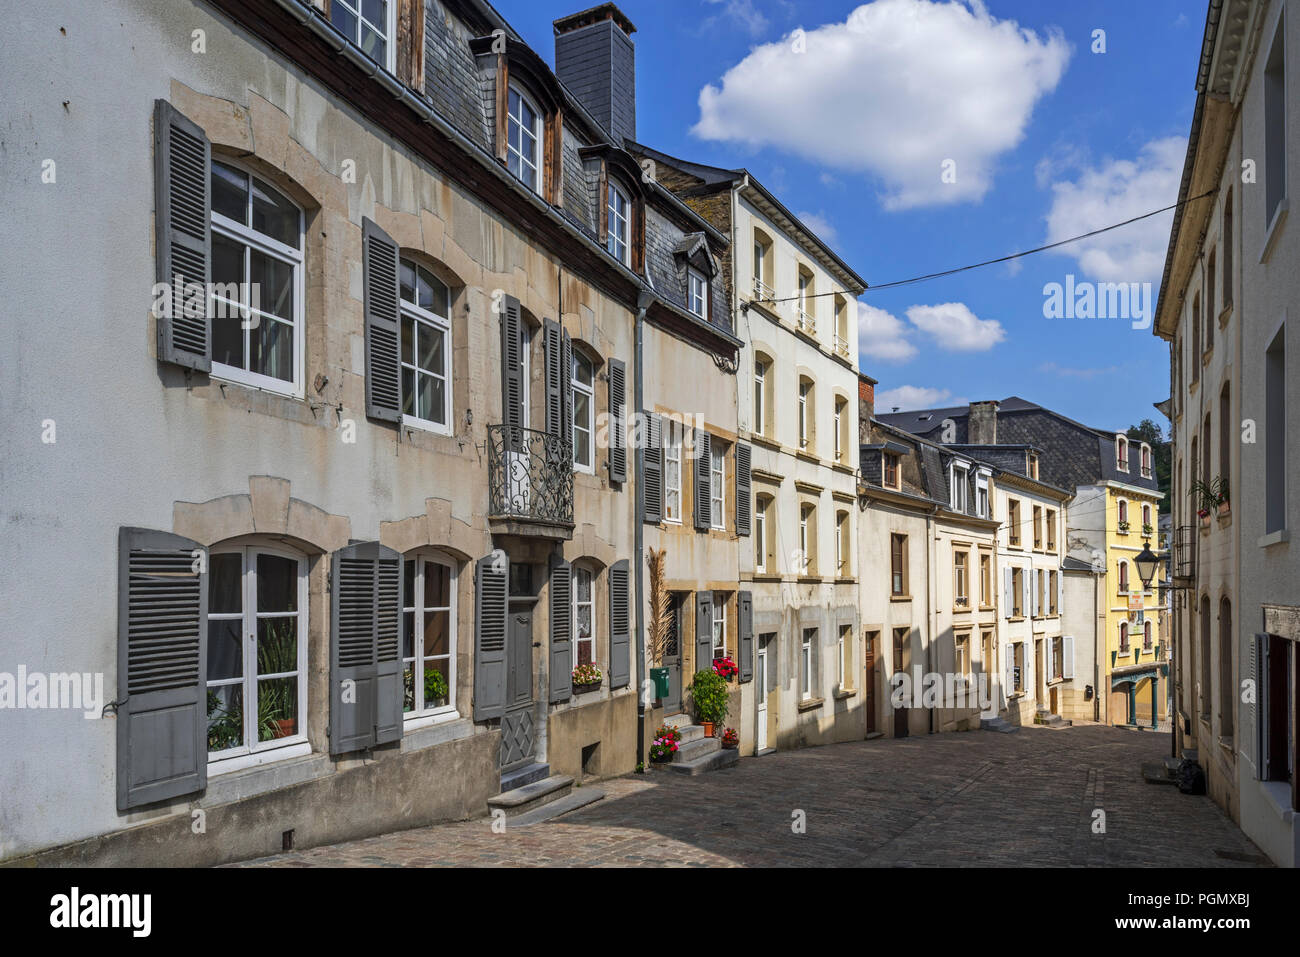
(530,479)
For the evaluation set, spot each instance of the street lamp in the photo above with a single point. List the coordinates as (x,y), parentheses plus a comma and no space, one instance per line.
(1146,563)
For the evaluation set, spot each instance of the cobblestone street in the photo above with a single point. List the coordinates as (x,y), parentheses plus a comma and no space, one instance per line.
(971,799)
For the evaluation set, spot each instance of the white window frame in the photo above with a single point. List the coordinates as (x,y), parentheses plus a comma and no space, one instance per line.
(1122,582)
(1121,453)
(253,751)
(717,488)
(760,534)
(805,663)
(673,471)
(415,603)
(1124,639)
(582,570)
(839,656)
(618,239)
(514,143)
(251,239)
(697,293)
(719,632)
(805,562)
(589,426)
(961,577)
(981,495)
(805,389)
(760,396)
(841,529)
(442,324)
(959,489)
(838,416)
(389,32)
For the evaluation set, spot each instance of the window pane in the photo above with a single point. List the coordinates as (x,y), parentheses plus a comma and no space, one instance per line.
(273,349)
(428,399)
(227,331)
(225,717)
(430,353)
(230,193)
(225,578)
(274,215)
(373,45)
(406,280)
(437,683)
(437,633)
(277,645)
(345,19)
(408,391)
(273,279)
(408,688)
(376,12)
(437,585)
(225,651)
(277,708)
(408,634)
(277,583)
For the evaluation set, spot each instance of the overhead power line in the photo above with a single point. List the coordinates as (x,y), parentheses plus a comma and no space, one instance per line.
(1002,259)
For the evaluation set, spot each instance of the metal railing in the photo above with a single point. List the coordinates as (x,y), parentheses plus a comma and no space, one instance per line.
(763,291)
(530,475)
(804,322)
(841,345)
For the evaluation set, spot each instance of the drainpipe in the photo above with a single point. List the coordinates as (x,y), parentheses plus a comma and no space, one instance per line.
(1096,644)
(644,299)
(934,611)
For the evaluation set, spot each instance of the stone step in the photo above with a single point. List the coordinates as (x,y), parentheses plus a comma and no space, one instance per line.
(525,775)
(690,732)
(570,802)
(998,725)
(1172,764)
(677,720)
(871,736)
(528,797)
(693,749)
(722,758)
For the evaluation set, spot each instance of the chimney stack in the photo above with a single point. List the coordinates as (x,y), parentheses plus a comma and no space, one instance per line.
(595,59)
(866,406)
(982,424)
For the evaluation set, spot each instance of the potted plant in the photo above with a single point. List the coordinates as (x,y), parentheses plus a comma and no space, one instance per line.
(277,699)
(725,667)
(1146,530)
(1123,528)
(1221,486)
(225,725)
(586,678)
(709,695)
(730,738)
(665,744)
(1211,495)
(435,688)
(659,630)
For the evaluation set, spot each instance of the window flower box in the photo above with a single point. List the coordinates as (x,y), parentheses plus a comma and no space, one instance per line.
(586,678)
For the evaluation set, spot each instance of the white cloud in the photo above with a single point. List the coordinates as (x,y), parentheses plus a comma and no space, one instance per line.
(743,13)
(1051,368)
(1111,193)
(882,335)
(905,398)
(820,225)
(894,91)
(955,328)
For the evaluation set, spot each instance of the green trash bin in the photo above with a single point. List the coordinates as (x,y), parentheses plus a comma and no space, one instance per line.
(660,678)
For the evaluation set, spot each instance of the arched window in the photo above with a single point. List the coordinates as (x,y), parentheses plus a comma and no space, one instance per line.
(764,276)
(1146,519)
(618,229)
(763,532)
(257,276)
(1203,650)
(426,348)
(257,650)
(428,635)
(1123,638)
(1122,509)
(763,374)
(806,306)
(1146,635)
(524,138)
(583,383)
(1123,576)
(806,413)
(841,427)
(584,616)
(1227,699)
(1121,453)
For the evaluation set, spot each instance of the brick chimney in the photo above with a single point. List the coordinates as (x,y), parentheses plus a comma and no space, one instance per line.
(595,59)
(982,425)
(866,406)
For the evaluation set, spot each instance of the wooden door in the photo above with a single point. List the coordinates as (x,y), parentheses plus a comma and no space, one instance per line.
(869,641)
(517,724)
(900,665)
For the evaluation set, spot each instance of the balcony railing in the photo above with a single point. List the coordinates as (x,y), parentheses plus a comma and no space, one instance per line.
(763,291)
(1184,553)
(804,322)
(841,346)
(530,476)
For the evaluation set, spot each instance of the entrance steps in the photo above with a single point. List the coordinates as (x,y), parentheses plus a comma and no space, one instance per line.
(1049,720)
(697,754)
(531,795)
(998,725)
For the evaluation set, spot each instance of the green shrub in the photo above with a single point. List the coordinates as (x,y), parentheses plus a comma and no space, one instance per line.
(709,694)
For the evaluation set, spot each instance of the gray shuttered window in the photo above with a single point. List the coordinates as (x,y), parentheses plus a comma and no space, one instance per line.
(491,579)
(561,612)
(620,632)
(161,669)
(703,630)
(1263,729)
(512,367)
(652,469)
(557,378)
(745,635)
(744,492)
(183,240)
(365,647)
(566,393)
(382,324)
(617,416)
(703,453)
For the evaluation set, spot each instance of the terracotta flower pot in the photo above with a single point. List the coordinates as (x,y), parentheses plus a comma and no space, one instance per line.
(708,729)
(1225,508)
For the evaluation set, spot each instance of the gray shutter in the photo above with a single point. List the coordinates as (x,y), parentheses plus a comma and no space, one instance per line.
(365,640)
(617,405)
(491,577)
(1008,583)
(162,640)
(1060,593)
(382,321)
(744,493)
(182,199)
(620,632)
(556,377)
(566,390)
(561,612)
(1024,583)
(703,448)
(1067,657)
(652,469)
(1263,749)
(1009,679)
(745,633)
(512,368)
(703,630)
(773,665)
(1035,589)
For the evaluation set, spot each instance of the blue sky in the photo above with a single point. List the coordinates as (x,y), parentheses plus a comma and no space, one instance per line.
(1047,139)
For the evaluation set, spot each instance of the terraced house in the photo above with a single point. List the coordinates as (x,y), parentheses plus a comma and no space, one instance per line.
(1228,301)
(794,304)
(347,524)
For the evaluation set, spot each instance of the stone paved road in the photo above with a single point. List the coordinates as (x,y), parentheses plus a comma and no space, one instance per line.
(970,799)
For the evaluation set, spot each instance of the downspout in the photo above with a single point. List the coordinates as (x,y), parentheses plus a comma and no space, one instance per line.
(644,299)
(934,611)
(1097,649)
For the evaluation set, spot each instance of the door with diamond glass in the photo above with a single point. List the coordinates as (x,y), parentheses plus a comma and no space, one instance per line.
(518,724)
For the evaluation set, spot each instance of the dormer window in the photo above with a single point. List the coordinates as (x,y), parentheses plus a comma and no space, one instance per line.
(1146,460)
(697,297)
(889,469)
(1121,453)
(1031,467)
(960,496)
(523,139)
(368,24)
(619,210)
(982,495)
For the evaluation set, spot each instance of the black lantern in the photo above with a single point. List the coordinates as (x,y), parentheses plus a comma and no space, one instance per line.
(1146,563)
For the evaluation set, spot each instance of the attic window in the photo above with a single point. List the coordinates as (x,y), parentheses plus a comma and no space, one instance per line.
(926,418)
(697,293)
(523,139)
(368,25)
